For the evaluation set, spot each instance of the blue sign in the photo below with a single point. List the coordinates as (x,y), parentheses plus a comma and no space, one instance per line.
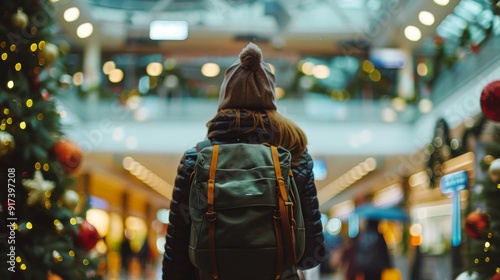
(453,183)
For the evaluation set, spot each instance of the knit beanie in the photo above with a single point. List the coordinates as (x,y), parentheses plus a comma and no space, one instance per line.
(248,83)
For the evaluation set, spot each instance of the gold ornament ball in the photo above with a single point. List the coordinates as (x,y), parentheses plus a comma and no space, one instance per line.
(6,143)
(20,20)
(70,199)
(494,170)
(50,53)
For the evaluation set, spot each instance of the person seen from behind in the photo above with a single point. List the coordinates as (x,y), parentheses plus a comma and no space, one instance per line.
(370,255)
(246,113)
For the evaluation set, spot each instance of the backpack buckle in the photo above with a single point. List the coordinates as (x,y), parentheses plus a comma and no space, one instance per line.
(210,215)
(277,215)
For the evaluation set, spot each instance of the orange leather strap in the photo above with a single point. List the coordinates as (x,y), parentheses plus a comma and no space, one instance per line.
(285,207)
(211,213)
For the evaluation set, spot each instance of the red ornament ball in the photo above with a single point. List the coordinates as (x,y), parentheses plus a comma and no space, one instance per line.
(490,101)
(68,154)
(474,48)
(87,236)
(496,277)
(477,224)
(438,40)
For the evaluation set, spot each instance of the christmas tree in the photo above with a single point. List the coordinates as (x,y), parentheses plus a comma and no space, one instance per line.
(482,223)
(44,234)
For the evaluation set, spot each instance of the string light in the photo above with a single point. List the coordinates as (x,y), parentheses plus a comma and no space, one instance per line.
(6,111)
(18,259)
(85,262)
(72,221)
(71,253)
(9,121)
(18,66)
(59,226)
(10,84)
(39,117)
(22,125)
(4,56)
(56,256)
(29,225)
(12,48)
(22,266)
(33,47)
(46,167)
(29,103)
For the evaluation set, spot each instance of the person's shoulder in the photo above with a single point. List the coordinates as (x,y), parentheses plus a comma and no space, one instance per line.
(304,159)
(189,157)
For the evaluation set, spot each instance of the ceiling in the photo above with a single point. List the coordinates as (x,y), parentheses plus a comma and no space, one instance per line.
(292,27)
(283,29)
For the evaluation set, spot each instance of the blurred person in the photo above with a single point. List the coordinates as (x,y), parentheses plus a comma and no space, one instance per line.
(369,254)
(126,255)
(145,257)
(246,113)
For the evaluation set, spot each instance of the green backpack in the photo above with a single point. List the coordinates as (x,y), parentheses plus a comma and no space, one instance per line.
(246,219)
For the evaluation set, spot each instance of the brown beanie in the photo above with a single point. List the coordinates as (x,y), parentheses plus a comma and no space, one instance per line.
(248,83)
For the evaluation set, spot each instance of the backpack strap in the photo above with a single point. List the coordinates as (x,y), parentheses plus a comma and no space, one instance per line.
(210,215)
(284,208)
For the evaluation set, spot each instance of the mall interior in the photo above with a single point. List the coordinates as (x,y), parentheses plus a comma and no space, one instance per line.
(384,90)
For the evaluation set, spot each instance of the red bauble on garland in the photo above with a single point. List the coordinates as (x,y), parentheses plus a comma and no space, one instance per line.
(496,277)
(490,101)
(477,224)
(68,154)
(87,236)
(474,48)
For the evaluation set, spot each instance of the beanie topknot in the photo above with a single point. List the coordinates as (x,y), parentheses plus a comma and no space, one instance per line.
(251,57)
(248,83)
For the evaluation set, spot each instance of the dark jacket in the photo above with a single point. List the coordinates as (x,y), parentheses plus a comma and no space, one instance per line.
(176,263)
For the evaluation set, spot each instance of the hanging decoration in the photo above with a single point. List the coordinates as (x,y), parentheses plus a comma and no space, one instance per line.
(70,200)
(68,154)
(20,19)
(494,171)
(87,235)
(477,224)
(7,143)
(39,188)
(490,101)
(49,54)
